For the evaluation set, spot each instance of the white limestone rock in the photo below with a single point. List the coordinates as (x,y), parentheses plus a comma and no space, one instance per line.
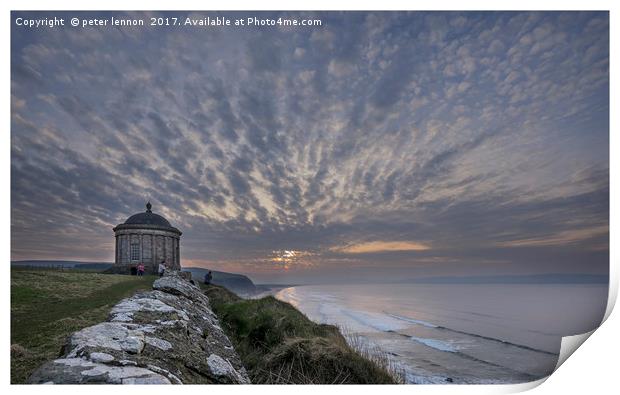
(81,371)
(221,367)
(101,357)
(159,343)
(175,285)
(168,335)
(109,335)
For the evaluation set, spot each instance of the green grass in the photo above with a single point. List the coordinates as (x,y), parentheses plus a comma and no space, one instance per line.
(47,306)
(280,345)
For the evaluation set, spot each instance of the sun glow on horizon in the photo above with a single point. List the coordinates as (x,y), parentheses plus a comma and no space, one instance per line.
(286,258)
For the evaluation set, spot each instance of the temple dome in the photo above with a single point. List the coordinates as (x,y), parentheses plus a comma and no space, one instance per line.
(148,218)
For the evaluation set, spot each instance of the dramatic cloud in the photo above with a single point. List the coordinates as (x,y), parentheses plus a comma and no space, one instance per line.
(377,144)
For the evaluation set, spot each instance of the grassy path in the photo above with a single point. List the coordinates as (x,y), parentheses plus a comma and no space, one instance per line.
(47,306)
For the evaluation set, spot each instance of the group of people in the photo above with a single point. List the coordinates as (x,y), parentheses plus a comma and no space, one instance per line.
(140,269)
(162,269)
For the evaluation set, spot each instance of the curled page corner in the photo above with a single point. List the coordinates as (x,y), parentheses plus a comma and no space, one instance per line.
(613,293)
(569,345)
(522,387)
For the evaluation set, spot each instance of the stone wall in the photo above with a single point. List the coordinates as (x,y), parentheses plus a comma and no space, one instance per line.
(165,336)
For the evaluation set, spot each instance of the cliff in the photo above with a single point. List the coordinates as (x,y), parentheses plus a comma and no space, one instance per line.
(238,283)
(168,335)
(279,345)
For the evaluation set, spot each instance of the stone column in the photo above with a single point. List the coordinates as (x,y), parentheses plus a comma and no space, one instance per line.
(178,248)
(164,247)
(160,248)
(127,252)
(173,262)
(172,252)
(121,239)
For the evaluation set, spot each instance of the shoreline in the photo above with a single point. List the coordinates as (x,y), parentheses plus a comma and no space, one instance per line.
(438,345)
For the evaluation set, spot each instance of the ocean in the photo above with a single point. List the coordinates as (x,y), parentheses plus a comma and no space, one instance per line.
(459,333)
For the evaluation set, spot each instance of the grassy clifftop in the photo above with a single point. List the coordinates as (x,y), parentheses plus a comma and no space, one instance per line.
(47,306)
(280,345)
(276,342)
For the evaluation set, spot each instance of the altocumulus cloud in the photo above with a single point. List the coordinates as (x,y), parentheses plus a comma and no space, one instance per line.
(482,135)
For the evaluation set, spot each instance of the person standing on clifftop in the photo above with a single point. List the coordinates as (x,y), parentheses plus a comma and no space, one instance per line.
(162,268)
(208,278)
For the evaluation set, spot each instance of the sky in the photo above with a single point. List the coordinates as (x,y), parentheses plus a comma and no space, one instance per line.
(375,147)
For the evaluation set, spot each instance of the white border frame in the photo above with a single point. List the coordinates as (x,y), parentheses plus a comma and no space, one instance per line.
(592,369)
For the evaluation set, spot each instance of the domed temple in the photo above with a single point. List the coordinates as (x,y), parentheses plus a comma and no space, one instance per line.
(147,238)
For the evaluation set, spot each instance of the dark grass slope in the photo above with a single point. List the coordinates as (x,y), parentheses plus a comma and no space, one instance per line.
(280,345)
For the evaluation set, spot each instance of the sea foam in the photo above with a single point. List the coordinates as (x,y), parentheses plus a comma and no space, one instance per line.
(436,344)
